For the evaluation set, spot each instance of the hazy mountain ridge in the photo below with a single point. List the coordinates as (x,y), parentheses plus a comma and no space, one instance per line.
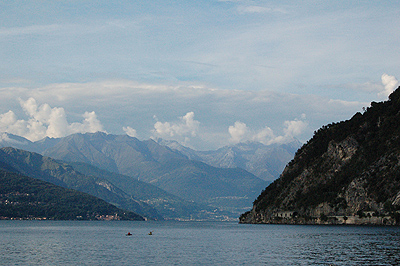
(166,204)
(159,165)
(214,178)
(115,153)
(347,173)
(11,140)
(230,191)
(265,161)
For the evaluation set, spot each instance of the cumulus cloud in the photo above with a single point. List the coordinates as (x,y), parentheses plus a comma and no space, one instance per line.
(130,132)
(291,130)
(90,124)
(124,103)
(45,121)
(294,127)
(239,132)
(390,83)
(183,130)
(265,135)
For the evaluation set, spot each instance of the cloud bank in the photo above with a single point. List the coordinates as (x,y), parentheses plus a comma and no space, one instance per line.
(44,121)
(199,116)
(239,132)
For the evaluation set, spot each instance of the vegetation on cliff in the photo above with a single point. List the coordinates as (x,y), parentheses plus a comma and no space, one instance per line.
(347,169)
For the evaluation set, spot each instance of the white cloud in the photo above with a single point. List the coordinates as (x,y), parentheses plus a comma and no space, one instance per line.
(183,130)
(240,132)
(152,108)
(8,118)
(265,135)
(390,83)
(90,124)
(10,123)
(294,128)
(130,132)
(44,121)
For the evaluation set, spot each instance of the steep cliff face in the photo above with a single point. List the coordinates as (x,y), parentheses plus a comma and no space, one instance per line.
(349,172)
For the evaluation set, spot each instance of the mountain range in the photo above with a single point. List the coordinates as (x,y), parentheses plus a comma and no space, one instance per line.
(162,167)
(264,161)
(143,176)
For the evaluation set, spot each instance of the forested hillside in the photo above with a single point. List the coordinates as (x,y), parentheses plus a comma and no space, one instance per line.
(23,197)
(347,173)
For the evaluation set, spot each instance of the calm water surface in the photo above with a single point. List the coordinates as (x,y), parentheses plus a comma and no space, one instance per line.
(194,243)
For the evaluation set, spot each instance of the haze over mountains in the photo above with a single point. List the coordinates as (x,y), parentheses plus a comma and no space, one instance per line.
(180,184)
(265,161)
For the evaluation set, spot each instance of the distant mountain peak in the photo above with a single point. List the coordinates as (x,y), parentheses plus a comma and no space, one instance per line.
(264,161)
(13,139)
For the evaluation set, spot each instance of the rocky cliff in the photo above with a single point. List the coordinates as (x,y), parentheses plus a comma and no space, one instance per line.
(347,173)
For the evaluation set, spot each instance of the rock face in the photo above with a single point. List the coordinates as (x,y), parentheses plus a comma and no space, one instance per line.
(348,173)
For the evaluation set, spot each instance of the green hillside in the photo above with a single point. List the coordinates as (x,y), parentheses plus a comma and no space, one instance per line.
(47,169)
(23,197)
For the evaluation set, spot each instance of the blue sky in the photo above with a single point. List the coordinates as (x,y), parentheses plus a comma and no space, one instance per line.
(206,73)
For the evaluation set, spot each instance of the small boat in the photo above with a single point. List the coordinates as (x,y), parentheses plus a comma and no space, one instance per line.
(129,234)
(150,233)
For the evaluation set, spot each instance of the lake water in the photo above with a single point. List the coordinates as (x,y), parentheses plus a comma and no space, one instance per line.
(194,243)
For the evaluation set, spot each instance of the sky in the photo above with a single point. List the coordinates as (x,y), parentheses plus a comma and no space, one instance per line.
(207,73)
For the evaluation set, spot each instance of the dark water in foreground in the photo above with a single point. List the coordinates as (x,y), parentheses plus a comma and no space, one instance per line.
(194,243)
